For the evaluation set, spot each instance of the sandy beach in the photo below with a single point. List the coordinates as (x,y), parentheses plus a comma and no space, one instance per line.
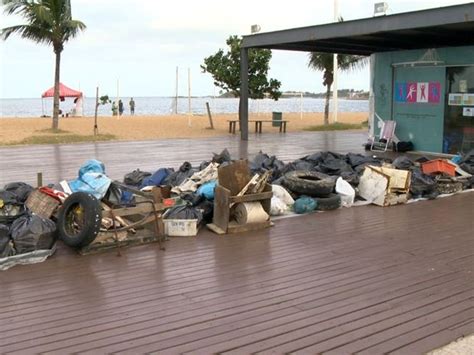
(14,130)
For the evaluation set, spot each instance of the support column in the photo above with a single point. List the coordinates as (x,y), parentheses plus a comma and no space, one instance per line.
(244,94)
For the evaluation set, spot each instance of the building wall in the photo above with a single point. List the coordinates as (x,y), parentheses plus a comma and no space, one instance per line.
(420,120)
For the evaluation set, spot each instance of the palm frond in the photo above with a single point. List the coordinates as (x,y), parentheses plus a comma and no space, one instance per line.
(33,33)
(348,62)
(14,6)
(48,21)
(320,60)
(40,14)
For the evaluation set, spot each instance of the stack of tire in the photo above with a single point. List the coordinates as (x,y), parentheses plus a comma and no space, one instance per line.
(314,184)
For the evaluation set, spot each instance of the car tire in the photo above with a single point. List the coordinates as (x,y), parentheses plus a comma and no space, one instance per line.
(331,202)
(310,183)
(79,220)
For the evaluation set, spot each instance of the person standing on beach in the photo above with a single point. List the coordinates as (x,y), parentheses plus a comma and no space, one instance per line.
(120,107)
(132,106)
(114,109)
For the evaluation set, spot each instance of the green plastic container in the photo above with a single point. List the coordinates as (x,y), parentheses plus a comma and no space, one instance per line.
(276,116)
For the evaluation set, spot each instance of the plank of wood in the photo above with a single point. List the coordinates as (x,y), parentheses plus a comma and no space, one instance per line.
(234,176)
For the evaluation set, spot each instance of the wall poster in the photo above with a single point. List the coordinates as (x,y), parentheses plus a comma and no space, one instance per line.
(418,92)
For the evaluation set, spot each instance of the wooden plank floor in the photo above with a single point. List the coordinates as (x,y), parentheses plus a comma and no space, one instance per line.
(365,279)
(58,162)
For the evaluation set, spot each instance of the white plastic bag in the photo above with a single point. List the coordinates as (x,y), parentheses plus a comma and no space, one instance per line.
(346,191)
(277,207)
(283,195)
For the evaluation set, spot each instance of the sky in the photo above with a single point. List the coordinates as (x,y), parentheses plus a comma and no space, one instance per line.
(134,46)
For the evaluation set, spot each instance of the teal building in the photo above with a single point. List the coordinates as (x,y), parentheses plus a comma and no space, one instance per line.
(429,93)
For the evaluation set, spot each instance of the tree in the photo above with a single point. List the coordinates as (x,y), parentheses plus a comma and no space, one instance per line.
(325,62)
(225,70)
(48,22)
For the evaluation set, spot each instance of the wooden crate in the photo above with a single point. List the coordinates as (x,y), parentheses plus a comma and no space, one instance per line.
(41,204)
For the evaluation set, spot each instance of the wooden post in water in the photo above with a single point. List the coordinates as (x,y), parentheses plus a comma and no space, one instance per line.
(209,115)
(96,128)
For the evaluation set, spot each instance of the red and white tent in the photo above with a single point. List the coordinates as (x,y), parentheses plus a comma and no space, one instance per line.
(64,91)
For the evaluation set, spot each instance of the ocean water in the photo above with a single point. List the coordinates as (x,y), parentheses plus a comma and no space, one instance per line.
(164,105)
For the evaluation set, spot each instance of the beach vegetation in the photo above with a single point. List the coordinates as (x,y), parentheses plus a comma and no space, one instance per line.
(225,70)
(52,130)
(64,139)
(47,22)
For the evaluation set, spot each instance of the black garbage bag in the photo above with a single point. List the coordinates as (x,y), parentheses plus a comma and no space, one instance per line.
(278,165)
(31,232)
(269,162)
(303,165)
(20,189)
(192,198)
(177,178)
(6,245)
(263,162)
(9,198)
(402,162)
(355,160)
(421,184)
(258,161)
(352,178)
(288,167)
(113,195)
(10,207)
(224,156)
(207,210)
(277,169)
(204,165)
(135,178)
(184,212)
(467,162)
(335,166)
(315,158)
(279,181)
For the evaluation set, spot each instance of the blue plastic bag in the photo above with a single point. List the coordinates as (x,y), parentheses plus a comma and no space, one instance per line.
(92,179)
(157,178)
(304,205)
(207,189)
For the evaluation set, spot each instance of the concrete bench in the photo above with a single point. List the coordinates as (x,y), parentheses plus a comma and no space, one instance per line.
(258,125)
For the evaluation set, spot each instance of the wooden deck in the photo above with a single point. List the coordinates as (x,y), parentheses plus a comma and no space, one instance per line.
(365,279)
(58,162)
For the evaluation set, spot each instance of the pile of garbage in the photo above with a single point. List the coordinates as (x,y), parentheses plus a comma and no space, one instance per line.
(23,233)
(29,218)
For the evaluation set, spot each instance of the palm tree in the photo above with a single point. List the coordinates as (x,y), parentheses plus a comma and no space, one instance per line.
(325,62)
(48,22)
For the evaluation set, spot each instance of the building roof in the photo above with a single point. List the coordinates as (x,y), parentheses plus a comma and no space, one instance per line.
(433,28)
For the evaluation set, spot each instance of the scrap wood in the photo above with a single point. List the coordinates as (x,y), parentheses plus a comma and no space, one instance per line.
(256,184)
(253,181)
(262,181)
(119,219)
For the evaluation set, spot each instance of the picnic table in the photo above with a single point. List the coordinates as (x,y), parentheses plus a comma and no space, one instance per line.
(258,125)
